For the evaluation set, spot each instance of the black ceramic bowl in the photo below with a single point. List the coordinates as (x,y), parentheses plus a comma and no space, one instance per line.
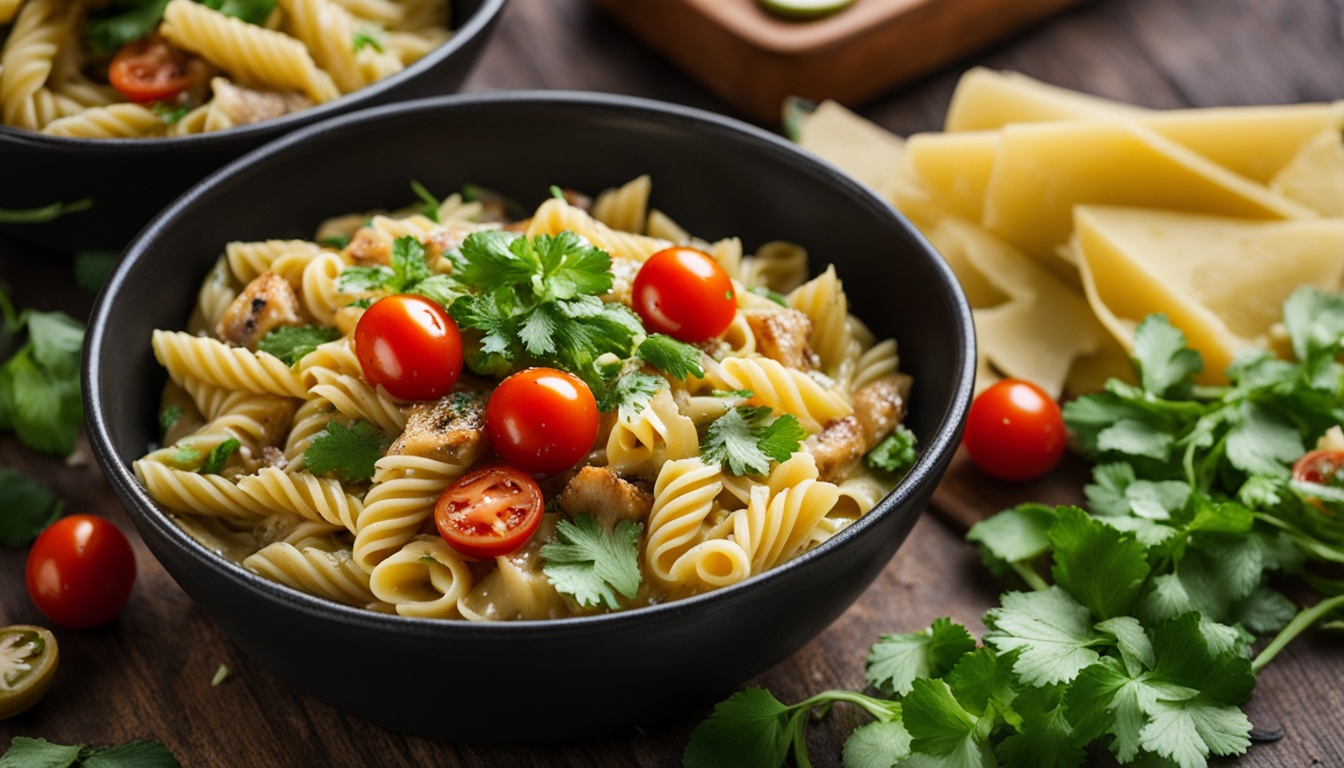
(568,678)
(130,180)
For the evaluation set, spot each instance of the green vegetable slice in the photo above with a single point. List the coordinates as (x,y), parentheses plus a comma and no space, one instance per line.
(804,9)
(28,657)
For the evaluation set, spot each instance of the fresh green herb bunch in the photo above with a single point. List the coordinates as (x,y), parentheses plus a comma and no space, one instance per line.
(1136,632)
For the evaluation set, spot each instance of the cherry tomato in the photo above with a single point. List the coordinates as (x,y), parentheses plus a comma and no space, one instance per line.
(1015,431)
(489,512)
(28,658)
(80,571)
(685,294)
(152,69)
(1322,467)
(409,346)
(541,420)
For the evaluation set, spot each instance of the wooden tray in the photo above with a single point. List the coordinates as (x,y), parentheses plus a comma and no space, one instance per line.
(755,60)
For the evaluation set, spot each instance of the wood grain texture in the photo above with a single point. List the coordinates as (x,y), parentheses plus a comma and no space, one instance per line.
(148,674)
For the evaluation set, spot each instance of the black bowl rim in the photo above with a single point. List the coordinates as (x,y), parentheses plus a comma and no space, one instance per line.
(932,459)
(462,36)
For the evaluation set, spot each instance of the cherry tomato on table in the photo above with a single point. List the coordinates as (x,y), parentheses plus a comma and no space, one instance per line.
(152,69)
(685,294)
(409,346)
(1015,431)
(541,420)
(489,512)
(80,571)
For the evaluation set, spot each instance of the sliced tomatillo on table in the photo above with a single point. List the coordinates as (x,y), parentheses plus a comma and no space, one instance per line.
(28,660)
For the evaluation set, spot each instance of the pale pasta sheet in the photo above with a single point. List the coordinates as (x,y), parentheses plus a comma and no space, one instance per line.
(237,469)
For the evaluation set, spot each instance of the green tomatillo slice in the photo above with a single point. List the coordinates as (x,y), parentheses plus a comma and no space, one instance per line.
(804,9)
(28,657)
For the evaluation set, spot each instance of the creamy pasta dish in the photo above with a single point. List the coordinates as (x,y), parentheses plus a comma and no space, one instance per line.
(142,68)
(458,412)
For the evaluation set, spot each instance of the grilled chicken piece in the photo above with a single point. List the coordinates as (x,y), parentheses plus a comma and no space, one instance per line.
(248,105)
(606,496)
(267,303)
(368,246)
(450,429)
(782,336)
(878,407)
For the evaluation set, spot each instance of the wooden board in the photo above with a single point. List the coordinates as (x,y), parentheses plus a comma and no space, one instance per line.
(754,60)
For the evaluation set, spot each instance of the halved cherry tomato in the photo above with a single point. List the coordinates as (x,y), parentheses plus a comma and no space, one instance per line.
(685,294)
(1015,431)
(152,69)
(1322,467)
(28,659)
(80,571)
(489,512)
(541,420)
(409,346)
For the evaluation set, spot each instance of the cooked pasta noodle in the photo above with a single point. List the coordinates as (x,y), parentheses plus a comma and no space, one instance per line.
(248,463)
(286,56)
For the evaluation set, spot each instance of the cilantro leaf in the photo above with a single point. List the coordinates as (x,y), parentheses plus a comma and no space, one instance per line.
(219,456)
(1101,567)
(1164,362)
(940,727)
(896,660)
(29,507)
(290,342)
(1045,738)
(630,393)
(677,359)
(896,453)
(880,744)
(39,384)
(133,754)
(407,271)
(746,438)
(251,11)
(109,29)
(25,752)
(347,451)
(750,729)
(1052,631)
(592,564)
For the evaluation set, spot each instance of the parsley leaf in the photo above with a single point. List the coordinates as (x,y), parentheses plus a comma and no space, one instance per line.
(747,438)
(291,342)
(116,25)
(592,564)
(29,507)
(349,452)
(895,661)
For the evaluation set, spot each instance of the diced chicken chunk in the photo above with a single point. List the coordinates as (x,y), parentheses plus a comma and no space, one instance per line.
(245,105)
(368,246)
(605,495)
(450,429)
(782,335)
(267,303)
(878,407)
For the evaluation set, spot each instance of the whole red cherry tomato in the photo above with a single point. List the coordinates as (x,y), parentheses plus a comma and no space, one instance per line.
(541,420)
(409,346)
(489,512)
(80,571)
(1015,431)
(152,69)
(685,294)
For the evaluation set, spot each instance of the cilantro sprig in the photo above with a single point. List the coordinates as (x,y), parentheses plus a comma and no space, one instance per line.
(592,564)
(745,439)
(347,451)
(291,342)
(29,507)
(1135,630)
(408,271)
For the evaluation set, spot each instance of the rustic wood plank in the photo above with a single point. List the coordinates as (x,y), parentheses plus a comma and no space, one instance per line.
(148,674)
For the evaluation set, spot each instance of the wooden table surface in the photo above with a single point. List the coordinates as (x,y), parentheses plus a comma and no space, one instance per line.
(148,674)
